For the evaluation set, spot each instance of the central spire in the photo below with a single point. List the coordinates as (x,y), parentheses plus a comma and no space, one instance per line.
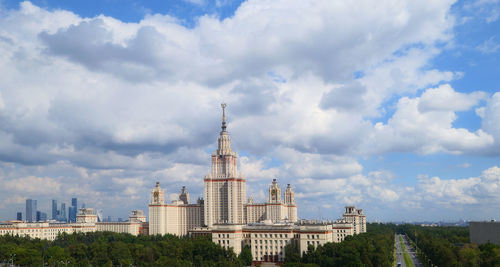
(224,147)
(223,105)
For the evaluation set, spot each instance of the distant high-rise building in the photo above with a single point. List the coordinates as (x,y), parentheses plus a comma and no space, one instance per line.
(30,210)
(72,210)
(99,215)
(43,216)
(72,214)
(38,215)
(19,216)
(54,209)
(62,215)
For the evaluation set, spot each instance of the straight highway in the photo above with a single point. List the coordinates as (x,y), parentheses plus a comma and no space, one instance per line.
(407,249)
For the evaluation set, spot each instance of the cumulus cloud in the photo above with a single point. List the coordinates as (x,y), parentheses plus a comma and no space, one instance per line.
(425,124)
(104,108)
(32,184)
(484,189)
(491,118)
(444,98)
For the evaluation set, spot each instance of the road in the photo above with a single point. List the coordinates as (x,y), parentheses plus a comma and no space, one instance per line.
(399,252)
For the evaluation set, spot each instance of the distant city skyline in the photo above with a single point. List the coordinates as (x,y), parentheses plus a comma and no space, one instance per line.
(63,214)
(390,106)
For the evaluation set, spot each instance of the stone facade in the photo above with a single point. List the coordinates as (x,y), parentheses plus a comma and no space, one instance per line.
(356,217)
(267,240)
(175,218)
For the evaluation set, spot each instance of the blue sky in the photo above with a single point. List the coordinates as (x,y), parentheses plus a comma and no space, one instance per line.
(388,106)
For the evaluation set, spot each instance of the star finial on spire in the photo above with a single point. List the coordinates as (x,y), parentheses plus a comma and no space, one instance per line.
(223,105)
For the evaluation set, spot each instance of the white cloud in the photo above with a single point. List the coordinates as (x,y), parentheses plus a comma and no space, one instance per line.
(483,190)
(425,125)
(491,121)
(444,98)
(489,46)
(33,184)
(113,106)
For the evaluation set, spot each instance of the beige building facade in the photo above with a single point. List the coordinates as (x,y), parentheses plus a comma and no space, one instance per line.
(356,217)
(267,240)
(86,222)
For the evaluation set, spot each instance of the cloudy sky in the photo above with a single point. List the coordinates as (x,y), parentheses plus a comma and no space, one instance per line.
(389,105)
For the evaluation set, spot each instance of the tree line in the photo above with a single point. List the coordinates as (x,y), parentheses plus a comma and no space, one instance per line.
(115,249)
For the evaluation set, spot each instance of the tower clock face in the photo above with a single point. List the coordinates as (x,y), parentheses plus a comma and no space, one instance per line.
(273,194)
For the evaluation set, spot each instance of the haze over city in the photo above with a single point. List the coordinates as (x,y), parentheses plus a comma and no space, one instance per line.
(392,106)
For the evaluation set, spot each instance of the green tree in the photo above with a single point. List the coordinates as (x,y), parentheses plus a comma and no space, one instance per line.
(292,253)
(246,256)
(119,253)
(56,255)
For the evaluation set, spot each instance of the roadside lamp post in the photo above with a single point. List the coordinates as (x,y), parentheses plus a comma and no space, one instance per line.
(12,257)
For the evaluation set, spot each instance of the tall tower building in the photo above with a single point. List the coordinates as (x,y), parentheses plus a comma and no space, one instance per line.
(30,210)
(72,210)
(225,190)
(54,209)
(62,214)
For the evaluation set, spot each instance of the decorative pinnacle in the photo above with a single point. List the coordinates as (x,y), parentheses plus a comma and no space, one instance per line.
(223,105)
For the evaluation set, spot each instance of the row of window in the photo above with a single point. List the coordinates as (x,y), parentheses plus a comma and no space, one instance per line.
(271,235)
(265,248)
(313,243)
(271,241)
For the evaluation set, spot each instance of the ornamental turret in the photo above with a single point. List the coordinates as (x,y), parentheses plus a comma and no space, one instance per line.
(184,196)
(289,195)
(274,192)
(157,195)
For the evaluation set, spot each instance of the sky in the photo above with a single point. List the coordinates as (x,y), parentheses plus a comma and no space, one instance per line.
(392,106)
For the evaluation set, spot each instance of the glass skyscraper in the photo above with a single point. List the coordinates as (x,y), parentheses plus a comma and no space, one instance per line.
(62,216)
(54,209)
(30,210)
(73,210)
